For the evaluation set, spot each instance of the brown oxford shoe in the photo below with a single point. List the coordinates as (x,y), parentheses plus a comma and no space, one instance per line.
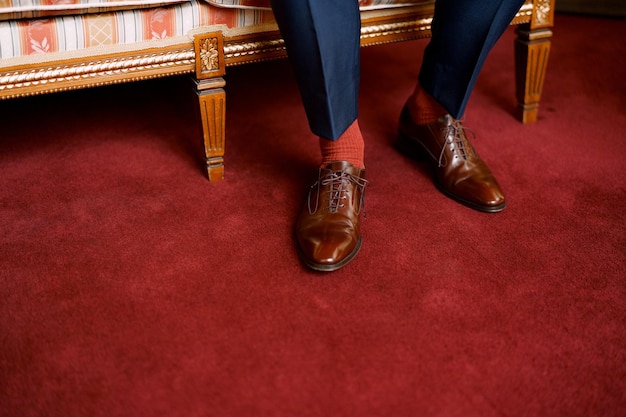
(327,230)
(458,170)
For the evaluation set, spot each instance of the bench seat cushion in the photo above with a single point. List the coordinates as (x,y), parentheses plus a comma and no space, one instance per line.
(80,31)
(363,4)
(28,9)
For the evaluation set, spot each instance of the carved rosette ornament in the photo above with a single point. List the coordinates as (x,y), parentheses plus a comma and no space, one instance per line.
(543,12)
(209,55)
(209,51)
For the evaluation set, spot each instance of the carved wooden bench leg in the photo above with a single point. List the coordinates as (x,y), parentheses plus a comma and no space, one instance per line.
(209,52)
(532,49)
(212,99)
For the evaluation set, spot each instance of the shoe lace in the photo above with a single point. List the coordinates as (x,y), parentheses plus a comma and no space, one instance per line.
(455,135)
(337,191)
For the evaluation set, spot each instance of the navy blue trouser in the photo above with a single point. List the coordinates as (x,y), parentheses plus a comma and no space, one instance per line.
(322,40)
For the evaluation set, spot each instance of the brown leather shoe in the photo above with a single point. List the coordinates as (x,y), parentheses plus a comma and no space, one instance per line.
(327,230)
(458,170)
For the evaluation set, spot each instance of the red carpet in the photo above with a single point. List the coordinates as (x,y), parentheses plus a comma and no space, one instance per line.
(131,286)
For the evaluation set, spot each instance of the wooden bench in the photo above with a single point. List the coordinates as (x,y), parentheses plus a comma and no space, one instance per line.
(207,51)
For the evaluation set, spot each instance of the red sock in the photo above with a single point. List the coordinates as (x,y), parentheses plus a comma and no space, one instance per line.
(348,147)
(423,108)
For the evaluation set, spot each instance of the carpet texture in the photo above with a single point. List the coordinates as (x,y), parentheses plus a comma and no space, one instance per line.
(131,286)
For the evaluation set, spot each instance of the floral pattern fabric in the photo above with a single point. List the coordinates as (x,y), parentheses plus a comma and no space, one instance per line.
(364,4)
(71,33)
(28,9)
(24,37)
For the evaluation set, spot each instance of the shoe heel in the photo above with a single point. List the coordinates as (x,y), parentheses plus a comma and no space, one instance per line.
(409,149)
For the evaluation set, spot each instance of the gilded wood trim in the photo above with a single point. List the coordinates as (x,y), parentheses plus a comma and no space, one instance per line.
(87,72)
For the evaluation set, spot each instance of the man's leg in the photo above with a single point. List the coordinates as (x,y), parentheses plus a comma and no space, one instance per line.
(322,40)
(464,31)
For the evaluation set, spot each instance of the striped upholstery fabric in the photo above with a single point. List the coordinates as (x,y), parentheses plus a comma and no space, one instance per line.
(76,32)
(23,37)
(265,4)
(27,9)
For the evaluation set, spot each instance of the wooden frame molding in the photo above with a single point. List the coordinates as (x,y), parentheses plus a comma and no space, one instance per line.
(113,68)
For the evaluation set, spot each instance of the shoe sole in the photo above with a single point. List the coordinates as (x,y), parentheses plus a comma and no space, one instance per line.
(414,150)
(326,267)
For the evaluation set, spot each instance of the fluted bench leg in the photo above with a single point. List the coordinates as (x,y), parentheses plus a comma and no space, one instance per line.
(209,51)
(532,49)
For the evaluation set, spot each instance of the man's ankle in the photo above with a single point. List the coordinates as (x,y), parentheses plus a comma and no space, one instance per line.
(423,108)
(348,147)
